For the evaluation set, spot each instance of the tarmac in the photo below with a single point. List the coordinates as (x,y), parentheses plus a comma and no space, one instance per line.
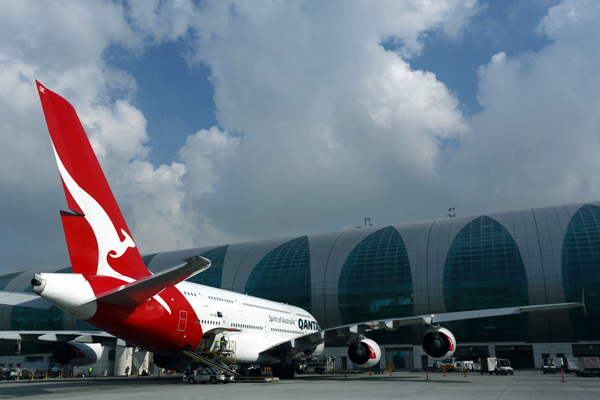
(524,384)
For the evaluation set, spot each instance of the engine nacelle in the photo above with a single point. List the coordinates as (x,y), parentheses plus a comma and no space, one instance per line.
(365,355)
(315,351)
(441,347)
(78,354)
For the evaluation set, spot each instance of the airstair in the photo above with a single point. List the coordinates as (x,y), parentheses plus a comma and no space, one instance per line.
(215,356)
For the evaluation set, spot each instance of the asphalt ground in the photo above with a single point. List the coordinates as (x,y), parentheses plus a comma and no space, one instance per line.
(403,385)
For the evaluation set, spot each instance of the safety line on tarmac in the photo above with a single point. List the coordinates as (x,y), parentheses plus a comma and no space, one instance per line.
(512,378)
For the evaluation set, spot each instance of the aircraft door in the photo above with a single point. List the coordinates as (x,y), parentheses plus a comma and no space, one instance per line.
(237,302)
(226,322)
(202,297)
(182,321)
(266,329)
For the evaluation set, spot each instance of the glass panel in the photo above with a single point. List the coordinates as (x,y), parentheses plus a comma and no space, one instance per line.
(212,276)
(484,269)
(581,270)
(375,283)
(284,274)
(5,279)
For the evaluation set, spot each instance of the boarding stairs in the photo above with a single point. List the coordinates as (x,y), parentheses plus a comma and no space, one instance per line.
(213,359)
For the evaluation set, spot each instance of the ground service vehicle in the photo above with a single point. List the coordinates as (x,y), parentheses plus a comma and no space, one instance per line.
(589,366)
(320,364)
(571,364)
(465,365)
(549,366)
(498,366)
(503,367)
(449,364)
(204,374)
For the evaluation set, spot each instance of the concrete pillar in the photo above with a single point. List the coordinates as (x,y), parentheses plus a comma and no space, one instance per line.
(123,358)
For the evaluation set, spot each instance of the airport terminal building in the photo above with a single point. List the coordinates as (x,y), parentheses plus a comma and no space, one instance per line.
(515,258)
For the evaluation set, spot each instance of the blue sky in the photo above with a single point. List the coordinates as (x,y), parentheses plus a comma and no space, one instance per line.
(177,98)
(507,26)
(226,121)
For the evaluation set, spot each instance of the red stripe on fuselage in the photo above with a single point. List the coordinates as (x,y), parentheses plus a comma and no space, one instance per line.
(148,325)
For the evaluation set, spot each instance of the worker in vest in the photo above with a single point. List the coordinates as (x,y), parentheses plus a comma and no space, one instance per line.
(90,371)
(223,345)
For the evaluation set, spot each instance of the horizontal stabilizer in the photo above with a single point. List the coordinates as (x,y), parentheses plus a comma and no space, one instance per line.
(24,299)
(140,291)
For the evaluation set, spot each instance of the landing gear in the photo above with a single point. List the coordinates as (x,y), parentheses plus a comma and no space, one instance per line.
(287,367)
(284,371)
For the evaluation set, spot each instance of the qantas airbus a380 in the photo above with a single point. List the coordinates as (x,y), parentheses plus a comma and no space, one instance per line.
(111,289)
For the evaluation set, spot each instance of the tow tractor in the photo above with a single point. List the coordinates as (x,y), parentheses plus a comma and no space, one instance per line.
(205,373)
(549,367)
(498,366)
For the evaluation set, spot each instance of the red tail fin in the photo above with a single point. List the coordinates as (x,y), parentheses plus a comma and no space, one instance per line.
(97,235)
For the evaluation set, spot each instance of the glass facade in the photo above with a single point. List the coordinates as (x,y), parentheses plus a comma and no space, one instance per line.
(376,283)
(30,319)
(454,264)
(484,269)
(581,269)
(284,274)
(25,318)
(5,279)
(212,276)
(148,258)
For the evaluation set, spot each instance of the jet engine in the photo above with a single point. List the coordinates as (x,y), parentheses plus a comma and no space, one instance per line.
(78,354)
(366,354)
(439,343)
(314,351)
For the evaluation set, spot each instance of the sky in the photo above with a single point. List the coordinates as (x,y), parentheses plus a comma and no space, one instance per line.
(226,121)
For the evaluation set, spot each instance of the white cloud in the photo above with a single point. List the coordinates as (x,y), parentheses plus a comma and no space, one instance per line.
(538,140)
(331,121)
(319,126)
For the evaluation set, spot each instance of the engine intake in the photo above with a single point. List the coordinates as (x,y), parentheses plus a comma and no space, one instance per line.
(366,354)
(78,354)
(440,345)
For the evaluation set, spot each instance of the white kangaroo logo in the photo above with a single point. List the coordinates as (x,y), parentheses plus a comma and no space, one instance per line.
(107,238)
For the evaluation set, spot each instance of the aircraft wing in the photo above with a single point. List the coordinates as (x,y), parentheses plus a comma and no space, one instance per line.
(57,336)
(354,332)
(23,299)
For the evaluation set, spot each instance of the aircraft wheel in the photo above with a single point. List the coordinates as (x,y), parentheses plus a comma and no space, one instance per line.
(213,380)
(191,380)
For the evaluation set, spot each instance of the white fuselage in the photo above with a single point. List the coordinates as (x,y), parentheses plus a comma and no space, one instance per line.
(259,324)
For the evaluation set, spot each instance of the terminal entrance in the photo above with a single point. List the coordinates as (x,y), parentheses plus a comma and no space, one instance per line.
(520,356)
(401,357)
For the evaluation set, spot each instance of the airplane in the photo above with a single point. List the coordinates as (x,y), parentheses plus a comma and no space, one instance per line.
(111,288)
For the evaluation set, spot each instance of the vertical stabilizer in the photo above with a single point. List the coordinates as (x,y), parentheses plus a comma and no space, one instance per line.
(98,238)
